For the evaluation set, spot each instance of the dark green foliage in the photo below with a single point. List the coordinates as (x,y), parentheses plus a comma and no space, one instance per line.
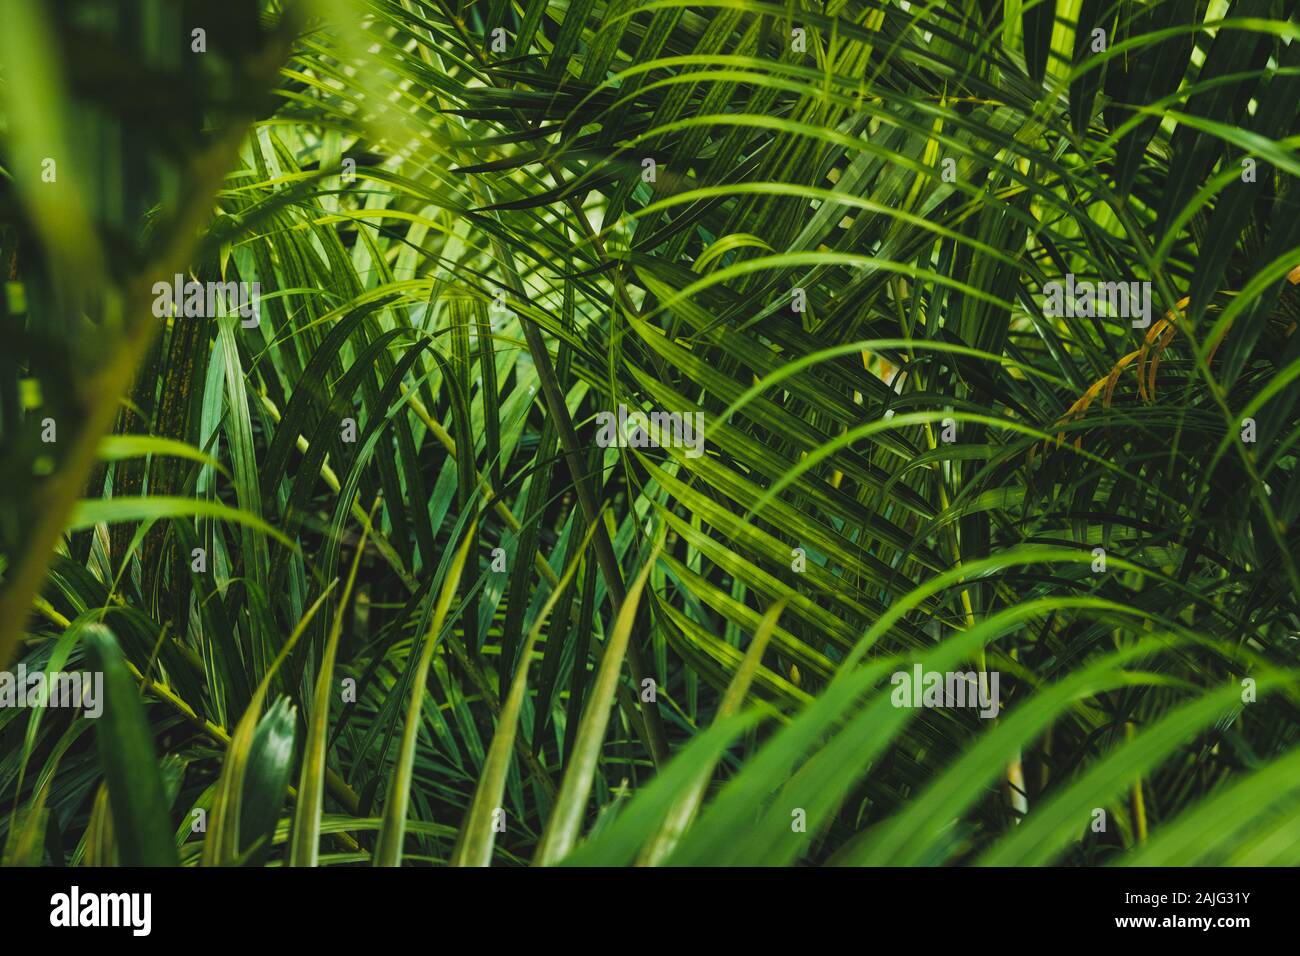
(380,593)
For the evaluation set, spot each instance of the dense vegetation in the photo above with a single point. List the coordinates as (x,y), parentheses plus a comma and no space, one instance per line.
(363,579)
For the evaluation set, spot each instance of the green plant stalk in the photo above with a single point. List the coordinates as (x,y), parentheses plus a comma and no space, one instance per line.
(304,850)
(388,852)
(477,834)
(562,828)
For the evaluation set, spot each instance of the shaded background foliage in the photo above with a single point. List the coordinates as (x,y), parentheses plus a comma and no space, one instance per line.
(460,251)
